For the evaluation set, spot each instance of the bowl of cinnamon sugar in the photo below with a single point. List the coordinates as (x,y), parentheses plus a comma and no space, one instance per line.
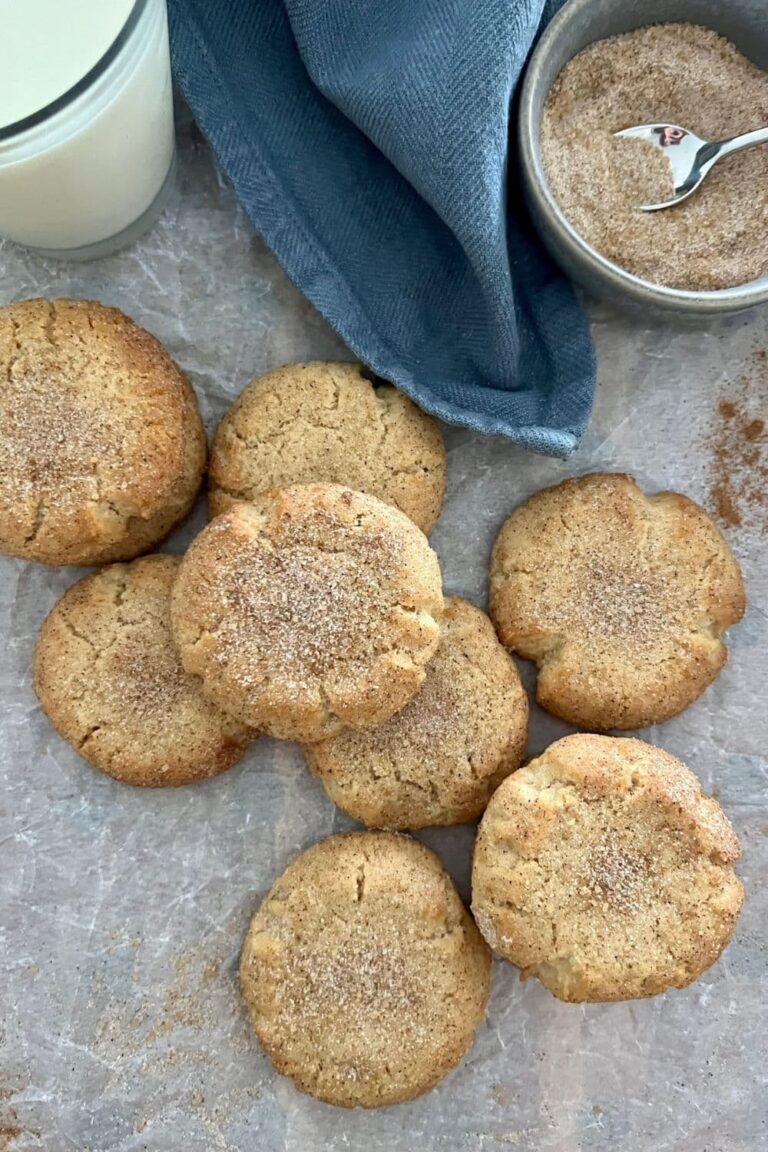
(605,65)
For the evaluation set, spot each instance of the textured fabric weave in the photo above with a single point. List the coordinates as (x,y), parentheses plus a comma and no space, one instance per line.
(369,142)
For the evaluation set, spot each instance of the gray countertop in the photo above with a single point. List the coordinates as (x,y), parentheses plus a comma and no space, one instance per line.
(123,911)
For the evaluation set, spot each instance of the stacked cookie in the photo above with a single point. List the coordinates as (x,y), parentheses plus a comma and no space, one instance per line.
(311,608)
(110,680)
(102,453)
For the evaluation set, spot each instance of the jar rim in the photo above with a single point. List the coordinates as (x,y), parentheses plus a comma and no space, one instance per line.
(84,83)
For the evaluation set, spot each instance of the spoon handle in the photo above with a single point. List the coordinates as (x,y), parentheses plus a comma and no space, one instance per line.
(737,143)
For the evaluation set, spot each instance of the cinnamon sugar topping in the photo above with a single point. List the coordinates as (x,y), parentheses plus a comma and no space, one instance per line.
(320,596)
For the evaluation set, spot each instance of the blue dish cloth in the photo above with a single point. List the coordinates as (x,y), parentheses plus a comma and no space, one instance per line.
(370,142)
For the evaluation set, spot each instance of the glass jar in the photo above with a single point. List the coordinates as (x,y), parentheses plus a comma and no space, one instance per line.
(92,170)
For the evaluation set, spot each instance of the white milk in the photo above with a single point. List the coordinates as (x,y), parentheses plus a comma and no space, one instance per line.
(92,170)
(46,46)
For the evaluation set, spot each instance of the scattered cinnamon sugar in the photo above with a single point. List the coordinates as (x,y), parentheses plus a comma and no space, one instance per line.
(737,450)
(671,73)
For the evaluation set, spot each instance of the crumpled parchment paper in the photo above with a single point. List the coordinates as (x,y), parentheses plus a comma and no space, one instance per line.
(123,910)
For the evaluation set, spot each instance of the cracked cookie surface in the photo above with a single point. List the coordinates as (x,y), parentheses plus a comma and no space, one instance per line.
(109,679)
(603,870)
(438,760)
(620,598)
(363,974)
(310,609)
(102,449)
(326,421)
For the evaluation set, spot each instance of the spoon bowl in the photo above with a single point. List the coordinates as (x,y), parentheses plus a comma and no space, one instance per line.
(690,158)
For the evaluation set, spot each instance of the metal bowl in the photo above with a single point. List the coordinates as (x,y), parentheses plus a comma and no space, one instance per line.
(577,24)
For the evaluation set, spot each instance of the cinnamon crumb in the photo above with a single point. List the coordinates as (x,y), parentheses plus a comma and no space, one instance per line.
(737,449)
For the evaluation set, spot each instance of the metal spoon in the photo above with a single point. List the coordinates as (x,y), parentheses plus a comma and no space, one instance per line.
(690,158)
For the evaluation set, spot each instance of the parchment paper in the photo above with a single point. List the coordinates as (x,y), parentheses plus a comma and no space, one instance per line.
(123,910)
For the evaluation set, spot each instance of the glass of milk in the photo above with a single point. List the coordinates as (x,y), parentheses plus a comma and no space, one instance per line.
(86,123)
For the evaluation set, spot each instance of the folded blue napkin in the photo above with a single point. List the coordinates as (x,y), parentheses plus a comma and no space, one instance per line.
(369,142)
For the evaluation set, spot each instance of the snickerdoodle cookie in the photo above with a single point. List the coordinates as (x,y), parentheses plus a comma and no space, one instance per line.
(601,869)
(440,758)
(102,449)
(620,598)
(110,681)
(328,422)
(310,609)
(364,976)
